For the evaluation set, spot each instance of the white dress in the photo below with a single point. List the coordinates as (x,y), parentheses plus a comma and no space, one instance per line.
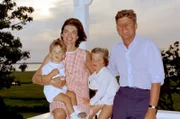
(105,84)
(50,91)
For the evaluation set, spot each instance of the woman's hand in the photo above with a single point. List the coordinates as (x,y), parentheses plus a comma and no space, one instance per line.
(56,82)
(47,78)
(54,72)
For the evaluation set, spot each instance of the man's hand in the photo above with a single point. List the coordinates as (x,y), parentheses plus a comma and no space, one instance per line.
(150,114)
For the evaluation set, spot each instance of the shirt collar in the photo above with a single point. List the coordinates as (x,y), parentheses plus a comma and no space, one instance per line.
(134,42)
(102,69)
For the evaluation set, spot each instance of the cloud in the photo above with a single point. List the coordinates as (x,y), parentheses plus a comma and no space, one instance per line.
(157,20)
(42,7)
(45,28)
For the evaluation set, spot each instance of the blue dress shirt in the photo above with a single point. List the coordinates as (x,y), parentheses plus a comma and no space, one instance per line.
(139,65)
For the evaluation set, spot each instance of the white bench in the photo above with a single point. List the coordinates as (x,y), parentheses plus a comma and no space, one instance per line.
(162,114)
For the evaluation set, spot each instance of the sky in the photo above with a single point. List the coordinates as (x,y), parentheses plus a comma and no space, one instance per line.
(157,20)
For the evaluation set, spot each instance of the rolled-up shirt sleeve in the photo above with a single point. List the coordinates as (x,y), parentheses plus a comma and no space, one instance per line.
(155,64)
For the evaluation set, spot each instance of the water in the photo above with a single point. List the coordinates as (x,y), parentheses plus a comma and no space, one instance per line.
(31,67)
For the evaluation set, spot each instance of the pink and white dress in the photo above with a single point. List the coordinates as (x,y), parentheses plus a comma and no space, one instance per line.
(77,79)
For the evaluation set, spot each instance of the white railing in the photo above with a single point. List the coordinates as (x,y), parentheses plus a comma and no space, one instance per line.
(162,114)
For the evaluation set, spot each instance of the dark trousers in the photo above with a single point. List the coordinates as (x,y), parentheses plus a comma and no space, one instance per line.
(130,103)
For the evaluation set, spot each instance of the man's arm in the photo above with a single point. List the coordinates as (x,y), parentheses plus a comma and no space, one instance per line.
(154,93)
(154,98)
(156,71)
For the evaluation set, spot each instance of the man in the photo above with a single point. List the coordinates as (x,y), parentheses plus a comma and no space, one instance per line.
(138,62)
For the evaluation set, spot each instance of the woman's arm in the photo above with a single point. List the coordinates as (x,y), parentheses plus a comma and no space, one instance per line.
(37,77)
(88,62)
(40,79)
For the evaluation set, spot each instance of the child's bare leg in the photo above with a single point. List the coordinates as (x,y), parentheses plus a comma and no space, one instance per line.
(66,100)
(106,112)
(72,96)
(95,109)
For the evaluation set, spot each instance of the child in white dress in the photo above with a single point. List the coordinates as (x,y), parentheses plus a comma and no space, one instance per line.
(57,53)
(103,82)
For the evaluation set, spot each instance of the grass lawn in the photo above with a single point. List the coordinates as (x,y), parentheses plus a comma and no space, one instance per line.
(29,99)
(24,77)
(26,97)
(21,102)
(23,91)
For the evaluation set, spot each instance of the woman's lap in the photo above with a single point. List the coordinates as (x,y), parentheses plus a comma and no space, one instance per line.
(58,105)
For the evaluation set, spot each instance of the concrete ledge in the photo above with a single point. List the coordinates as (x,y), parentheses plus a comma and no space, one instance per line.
(162,114)
(43,116)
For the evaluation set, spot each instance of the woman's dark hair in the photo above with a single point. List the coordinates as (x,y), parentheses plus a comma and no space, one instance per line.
(81,33)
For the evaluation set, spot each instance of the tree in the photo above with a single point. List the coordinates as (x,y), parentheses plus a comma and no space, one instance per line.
(171,61)
(23,67)
(12,18)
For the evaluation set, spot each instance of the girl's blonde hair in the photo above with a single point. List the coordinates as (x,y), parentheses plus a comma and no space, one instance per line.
(104,52)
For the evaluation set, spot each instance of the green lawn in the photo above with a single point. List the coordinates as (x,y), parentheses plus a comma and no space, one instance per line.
(23,91)
(24,77)
(22,102)
(28,99)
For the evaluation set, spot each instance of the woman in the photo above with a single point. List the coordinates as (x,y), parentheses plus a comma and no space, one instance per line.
(78,66)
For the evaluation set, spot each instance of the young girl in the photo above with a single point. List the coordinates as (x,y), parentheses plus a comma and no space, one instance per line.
(57,53)
(103,82)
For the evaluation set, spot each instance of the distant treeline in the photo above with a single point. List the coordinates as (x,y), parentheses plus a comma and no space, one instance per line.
(29,63)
